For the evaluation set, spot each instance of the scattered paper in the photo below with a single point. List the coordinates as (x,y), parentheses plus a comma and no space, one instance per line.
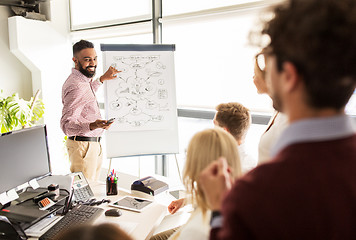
(12,195)
(42,226)
(4,198)
(22,186)
(34,184)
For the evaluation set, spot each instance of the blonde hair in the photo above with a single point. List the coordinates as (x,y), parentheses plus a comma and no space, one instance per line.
(204,148)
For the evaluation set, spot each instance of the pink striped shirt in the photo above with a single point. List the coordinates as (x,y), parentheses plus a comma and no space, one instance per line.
(80,106)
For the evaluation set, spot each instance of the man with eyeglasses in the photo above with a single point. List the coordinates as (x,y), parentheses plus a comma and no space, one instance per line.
(81,119)
(308,189)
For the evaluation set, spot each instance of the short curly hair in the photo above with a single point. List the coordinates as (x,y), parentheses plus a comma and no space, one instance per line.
(234,117)
(319,38)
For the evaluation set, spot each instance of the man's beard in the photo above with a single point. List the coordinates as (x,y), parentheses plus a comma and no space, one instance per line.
(86,72)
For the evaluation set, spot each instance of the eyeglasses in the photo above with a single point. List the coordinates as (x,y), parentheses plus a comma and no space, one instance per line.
(261,62)
(261,58)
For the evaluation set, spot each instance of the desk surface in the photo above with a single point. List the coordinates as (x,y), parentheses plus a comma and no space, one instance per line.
(139,225)
(142,224)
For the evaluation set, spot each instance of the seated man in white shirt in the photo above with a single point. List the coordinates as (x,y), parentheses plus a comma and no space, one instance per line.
(236,119)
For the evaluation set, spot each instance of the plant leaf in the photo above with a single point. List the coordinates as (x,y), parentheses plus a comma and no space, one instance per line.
(16,112)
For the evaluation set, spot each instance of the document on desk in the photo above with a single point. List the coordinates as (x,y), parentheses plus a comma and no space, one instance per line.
(42,226)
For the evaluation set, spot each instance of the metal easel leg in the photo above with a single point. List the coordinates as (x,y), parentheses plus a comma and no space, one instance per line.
(139,167)
(180,177)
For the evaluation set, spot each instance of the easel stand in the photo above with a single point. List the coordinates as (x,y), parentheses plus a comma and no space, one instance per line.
(161,162)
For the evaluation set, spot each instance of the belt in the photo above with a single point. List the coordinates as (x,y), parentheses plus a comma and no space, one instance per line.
(87,139)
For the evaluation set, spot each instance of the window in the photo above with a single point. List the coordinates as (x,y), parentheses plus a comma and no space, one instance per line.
(186,6)
(213,56)
(214,60)
(94,13)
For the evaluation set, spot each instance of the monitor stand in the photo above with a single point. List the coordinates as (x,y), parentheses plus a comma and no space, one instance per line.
(25,212)
(27,195)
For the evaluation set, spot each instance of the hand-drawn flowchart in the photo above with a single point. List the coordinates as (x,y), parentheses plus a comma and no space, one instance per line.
(140,98)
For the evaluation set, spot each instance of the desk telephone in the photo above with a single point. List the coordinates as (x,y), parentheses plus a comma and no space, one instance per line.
(82,193)
(81,189)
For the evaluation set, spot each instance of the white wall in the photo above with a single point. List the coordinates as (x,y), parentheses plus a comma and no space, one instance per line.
(14,75)
(41,49)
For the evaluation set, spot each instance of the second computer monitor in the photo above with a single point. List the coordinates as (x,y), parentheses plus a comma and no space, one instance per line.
(24,156)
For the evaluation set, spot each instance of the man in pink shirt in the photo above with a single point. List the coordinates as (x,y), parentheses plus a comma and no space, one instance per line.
(81,120)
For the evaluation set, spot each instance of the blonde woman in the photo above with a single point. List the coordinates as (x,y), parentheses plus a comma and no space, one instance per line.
(204,148)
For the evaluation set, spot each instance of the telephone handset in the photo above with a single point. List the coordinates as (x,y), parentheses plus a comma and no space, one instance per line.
(81,188)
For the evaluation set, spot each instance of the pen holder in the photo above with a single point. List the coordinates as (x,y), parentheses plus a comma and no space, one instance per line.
(111,186)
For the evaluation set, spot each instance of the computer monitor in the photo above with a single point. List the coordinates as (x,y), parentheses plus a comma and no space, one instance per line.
(24,156)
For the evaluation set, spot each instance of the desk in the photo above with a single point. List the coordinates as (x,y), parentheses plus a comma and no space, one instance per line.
(139,225)
(146,221)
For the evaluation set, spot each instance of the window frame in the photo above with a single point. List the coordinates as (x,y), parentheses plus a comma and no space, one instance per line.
(154,26)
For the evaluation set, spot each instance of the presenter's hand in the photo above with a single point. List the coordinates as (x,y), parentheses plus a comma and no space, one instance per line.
(176,205)
(100,124)
(215,182)
(110,74)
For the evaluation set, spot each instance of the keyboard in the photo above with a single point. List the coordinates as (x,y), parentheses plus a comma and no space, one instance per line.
(78,215)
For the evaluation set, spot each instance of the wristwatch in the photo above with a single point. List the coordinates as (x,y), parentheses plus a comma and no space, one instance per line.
(214,214)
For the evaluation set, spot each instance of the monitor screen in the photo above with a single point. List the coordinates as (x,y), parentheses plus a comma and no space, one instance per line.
(24,156)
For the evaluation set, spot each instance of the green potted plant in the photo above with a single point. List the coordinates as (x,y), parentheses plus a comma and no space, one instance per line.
(17,113)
